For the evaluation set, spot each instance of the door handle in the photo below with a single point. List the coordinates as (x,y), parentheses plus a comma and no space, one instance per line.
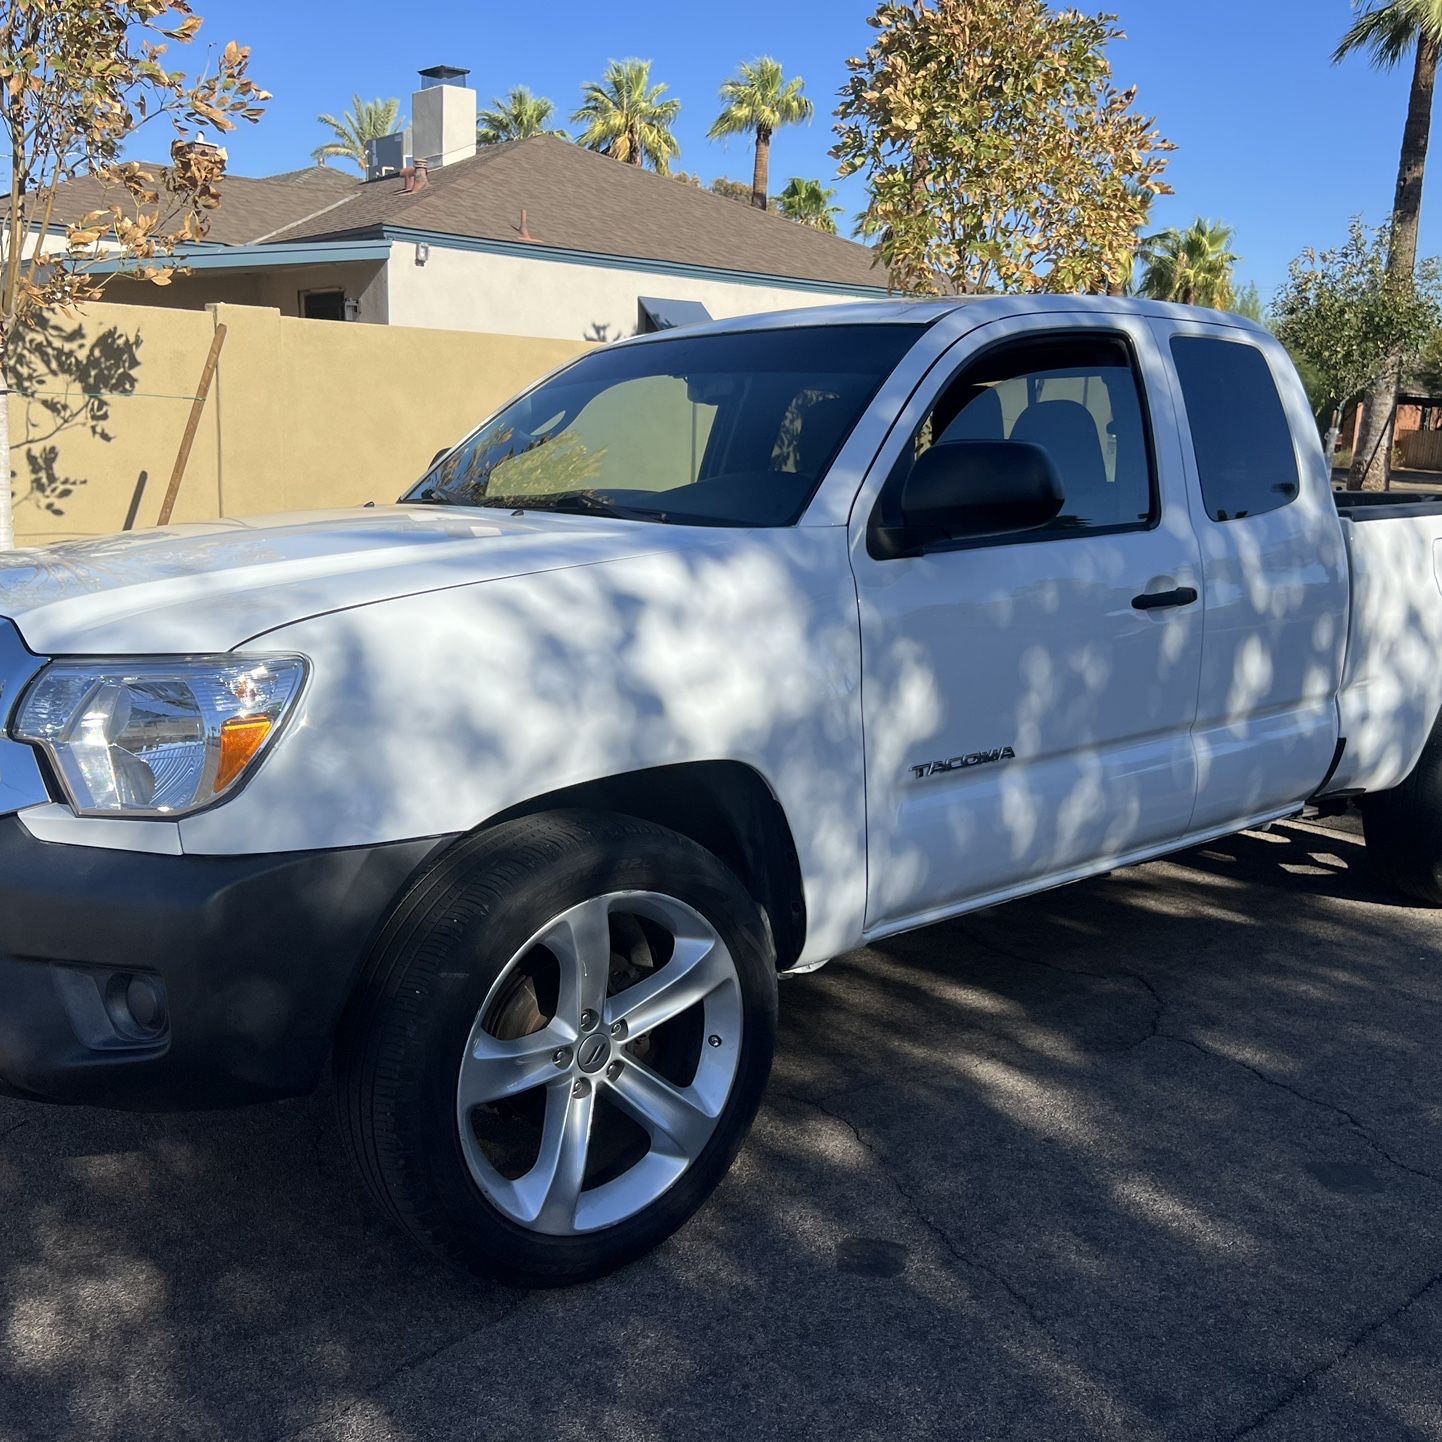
(1158,600)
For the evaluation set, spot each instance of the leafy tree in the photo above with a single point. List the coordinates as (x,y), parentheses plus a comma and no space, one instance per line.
(759,100)
(625,117)
(1192,266)
(517,116)
(365,120)
(809,202)
(997,152)
(1389,31)
(1426,374)
(1346,318)
(1248,304)
(731,189)
(81,76)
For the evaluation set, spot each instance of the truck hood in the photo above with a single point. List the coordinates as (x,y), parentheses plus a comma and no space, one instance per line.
(213,586)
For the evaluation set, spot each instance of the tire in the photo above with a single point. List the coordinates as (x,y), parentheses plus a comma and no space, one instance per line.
(1403,828)
(622,1092)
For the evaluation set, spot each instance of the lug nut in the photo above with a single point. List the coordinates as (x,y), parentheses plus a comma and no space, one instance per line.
(713,1040)
(582,1088)
(561,1056)
(614,1070)
(618,1030)
(589,1020)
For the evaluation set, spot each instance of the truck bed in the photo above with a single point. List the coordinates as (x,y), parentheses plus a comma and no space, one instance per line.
(1392,684)
(1386,505)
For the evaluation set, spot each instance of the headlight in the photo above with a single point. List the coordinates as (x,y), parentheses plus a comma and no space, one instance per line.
(156,737)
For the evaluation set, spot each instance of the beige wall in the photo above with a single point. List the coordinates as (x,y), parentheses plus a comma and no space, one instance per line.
(518,295)
(303,413)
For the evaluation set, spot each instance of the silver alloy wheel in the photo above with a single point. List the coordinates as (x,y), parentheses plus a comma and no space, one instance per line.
(593,1049)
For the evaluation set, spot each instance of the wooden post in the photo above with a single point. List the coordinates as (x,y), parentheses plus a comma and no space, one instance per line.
(197,409)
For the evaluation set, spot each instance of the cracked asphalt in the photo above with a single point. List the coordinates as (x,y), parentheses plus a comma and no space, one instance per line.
(1156,1156)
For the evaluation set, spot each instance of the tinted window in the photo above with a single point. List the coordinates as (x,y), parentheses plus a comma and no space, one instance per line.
(1245,456)
(735,429)
(1075,397)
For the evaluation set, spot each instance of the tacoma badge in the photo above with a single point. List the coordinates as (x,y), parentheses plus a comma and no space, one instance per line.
(963,763)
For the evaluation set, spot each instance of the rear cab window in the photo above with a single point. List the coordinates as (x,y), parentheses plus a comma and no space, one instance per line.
(1245,452)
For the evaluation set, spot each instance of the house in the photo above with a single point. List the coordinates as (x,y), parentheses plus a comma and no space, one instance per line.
(535,237)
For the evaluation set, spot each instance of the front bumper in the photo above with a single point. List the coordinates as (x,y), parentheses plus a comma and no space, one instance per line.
(255,957)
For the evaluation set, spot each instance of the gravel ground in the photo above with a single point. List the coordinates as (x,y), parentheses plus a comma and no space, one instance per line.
(1156,1156)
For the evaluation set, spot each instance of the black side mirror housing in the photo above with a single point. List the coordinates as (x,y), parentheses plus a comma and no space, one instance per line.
(968,490)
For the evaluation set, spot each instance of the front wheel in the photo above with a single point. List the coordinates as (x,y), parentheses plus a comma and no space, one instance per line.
(559,1046)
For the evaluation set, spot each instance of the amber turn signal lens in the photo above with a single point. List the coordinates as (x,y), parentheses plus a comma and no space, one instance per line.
(240,739)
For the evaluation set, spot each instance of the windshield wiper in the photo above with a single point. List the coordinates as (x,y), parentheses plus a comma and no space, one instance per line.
(578,503)
(432,497)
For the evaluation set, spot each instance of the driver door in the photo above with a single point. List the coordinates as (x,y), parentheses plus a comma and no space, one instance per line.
(1027,708)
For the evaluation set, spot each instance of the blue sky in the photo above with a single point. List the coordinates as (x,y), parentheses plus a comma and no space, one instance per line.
(1273,138)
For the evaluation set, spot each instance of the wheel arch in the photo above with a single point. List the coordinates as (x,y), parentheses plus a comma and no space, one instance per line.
(725,806)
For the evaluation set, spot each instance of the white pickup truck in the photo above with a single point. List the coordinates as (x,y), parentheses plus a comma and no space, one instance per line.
(714,655)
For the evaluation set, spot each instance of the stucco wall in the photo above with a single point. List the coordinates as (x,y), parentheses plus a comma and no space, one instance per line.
(303,413)
(516,295)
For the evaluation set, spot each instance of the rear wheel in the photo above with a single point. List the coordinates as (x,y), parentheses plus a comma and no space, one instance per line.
(1404,828)
(559,1046)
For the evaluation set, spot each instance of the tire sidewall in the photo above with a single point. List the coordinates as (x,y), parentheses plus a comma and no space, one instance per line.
(477,926)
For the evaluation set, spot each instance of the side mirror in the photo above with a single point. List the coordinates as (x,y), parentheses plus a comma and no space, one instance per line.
(964,490)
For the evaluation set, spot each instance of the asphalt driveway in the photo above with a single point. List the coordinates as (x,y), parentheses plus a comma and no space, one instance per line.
(1158,1156)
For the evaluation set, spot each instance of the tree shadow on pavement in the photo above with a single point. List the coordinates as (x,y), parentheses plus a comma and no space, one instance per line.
(1152,1156)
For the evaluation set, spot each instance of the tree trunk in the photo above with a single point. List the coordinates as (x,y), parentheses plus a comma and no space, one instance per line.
(7,496)
(1372,463)
(761,175)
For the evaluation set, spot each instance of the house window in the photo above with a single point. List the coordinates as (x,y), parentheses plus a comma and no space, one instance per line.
(323,304)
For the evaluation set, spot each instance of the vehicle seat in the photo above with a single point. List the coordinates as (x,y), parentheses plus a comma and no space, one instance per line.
(1067,431)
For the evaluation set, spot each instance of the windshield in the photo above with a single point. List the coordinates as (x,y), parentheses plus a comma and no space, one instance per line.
(731,430)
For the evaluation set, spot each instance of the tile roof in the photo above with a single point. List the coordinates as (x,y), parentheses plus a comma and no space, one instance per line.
(575,199)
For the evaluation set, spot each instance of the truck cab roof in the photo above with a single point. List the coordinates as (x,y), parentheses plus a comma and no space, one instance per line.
(924,311)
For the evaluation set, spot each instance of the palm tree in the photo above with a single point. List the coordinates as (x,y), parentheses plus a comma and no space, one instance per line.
(1390,30)
(760,100)
(1192,266)
(809,202)
(517,116)
(626,118)
(366,120)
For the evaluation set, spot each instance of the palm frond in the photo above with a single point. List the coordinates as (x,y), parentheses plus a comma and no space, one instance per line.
(624,116)
(1195,266)
(366,120)
(1387,30)
(809,203)
(517,116)
(759,98)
